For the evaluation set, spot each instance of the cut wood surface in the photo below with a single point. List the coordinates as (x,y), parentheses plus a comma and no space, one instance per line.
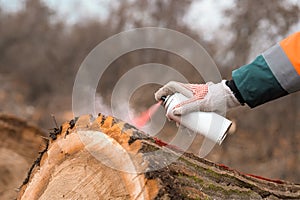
(105,158)
(20,143)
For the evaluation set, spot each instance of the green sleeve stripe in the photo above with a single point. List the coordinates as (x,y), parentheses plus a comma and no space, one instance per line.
(256,83)
(282,69)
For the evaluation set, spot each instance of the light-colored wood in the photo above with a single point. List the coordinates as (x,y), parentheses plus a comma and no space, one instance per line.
(105,158)
(68,170)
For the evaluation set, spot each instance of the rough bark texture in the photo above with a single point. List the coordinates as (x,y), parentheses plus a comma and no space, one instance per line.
(68,169)
(19,146)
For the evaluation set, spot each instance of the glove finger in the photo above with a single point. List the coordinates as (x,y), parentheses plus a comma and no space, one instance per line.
(172,87)
(180,88)
(164,91)
(186,107)
(192,106)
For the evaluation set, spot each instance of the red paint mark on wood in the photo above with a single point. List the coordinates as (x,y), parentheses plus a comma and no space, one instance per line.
(252,175)
(266,179)
(162,144)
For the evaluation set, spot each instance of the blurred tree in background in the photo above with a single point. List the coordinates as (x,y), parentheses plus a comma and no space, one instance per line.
(40,55)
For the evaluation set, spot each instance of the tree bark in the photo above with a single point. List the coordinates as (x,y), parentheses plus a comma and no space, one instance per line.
(105,158)
(19,146)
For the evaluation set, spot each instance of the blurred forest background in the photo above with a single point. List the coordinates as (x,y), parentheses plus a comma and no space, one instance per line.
(40,54)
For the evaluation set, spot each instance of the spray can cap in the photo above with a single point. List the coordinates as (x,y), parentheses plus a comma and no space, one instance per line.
(165,100)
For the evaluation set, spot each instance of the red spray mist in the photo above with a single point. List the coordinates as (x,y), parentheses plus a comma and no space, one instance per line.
(145,116)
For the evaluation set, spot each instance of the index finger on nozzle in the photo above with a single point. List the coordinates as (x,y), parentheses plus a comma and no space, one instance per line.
(159,94)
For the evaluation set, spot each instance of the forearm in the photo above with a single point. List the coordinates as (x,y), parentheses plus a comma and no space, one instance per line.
(271,75)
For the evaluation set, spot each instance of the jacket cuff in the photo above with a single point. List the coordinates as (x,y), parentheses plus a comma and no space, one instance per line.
(235,91)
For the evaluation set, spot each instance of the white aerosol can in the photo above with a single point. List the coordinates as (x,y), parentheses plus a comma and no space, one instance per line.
(208,124)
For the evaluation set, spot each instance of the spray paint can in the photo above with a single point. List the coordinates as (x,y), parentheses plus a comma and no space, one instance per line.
(208,124)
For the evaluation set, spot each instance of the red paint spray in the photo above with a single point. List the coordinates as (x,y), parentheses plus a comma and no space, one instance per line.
(145,116)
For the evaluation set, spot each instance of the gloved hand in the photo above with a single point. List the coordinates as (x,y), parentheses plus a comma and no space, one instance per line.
(207,97)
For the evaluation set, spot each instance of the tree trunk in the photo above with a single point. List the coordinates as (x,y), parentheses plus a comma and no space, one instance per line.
(105,158)
(19,146)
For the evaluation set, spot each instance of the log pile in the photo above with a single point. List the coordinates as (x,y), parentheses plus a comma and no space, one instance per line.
(20,143)
(115,164)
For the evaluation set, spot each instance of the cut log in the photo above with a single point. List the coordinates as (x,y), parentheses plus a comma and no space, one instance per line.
(19,146)
(105,158)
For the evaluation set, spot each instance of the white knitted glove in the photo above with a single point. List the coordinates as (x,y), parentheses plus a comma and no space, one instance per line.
(207,97)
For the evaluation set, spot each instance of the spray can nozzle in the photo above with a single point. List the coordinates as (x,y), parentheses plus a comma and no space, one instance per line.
(163,98)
